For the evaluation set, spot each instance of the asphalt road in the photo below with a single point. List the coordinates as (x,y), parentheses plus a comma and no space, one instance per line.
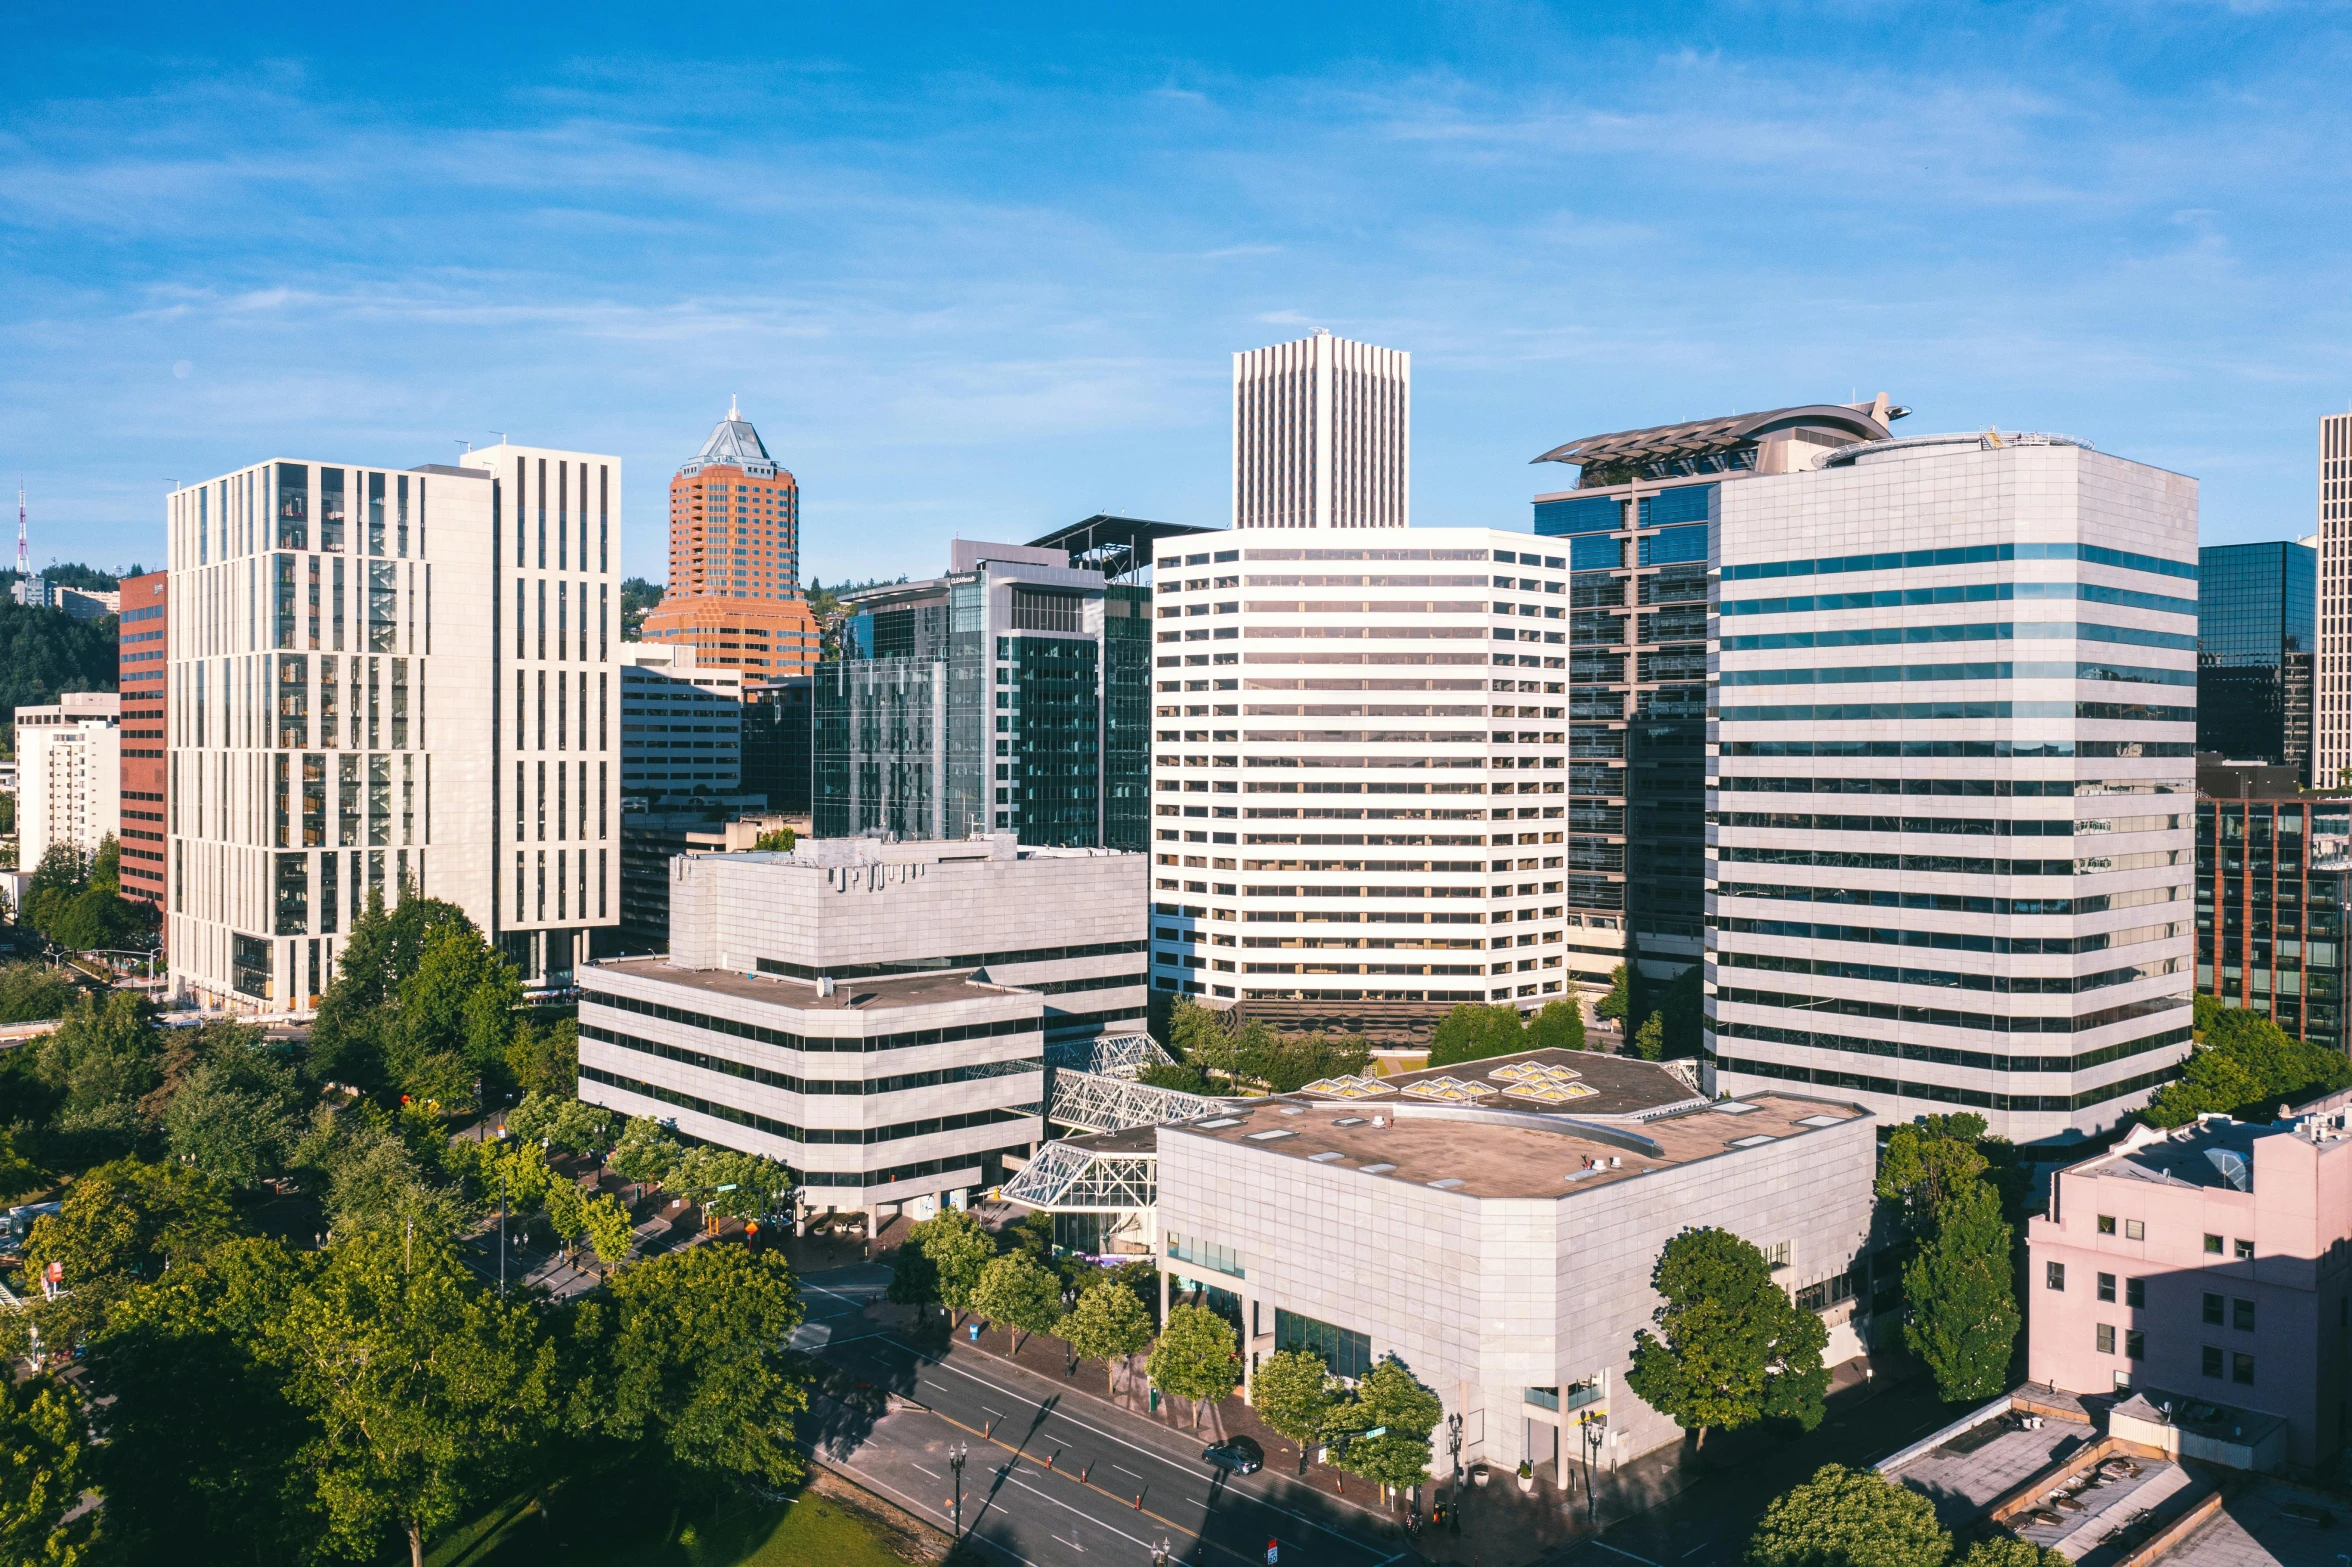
(1052,1476)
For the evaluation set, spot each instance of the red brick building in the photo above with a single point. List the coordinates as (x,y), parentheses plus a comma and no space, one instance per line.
(734,592)
(142,662)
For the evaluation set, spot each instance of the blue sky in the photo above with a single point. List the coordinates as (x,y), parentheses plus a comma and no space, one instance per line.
(979,270)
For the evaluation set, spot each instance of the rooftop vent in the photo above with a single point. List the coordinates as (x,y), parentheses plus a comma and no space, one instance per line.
(1271,1133)
(1325,1157)
(1823,1120)
(1756,1141)
(1588,1170)
(1349,1120)
(1219,1123)
(1378,1169)
(1734,1107)
(1448,1184)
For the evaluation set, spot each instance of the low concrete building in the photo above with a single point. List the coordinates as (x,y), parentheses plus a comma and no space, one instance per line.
(2208,1267)
(873,1015)
(1495,1226)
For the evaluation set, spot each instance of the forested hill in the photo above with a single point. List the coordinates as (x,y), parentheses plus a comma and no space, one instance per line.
(46,651)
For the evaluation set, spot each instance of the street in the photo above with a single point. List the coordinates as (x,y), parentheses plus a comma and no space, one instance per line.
(1051,1474)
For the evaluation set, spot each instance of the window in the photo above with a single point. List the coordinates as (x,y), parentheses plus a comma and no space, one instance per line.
(2212,1245)
(2242,1368)
(2135,1344)
(1544,1398)
(2106,1286)
(1347,1354)
(2211,1360)
(2135,1292)
(2134,1230)
(2106,1224)
(2242,1315)
(2213,1310)
(2054,1275)
(2245,1251)
(2106,1339)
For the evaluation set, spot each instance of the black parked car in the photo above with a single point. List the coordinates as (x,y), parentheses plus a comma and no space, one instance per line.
(1237,1453)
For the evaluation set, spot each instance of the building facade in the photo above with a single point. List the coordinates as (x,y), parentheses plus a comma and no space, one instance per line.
(389,681)
(734,588)
(140,676)
(2204,1264)
(681,723)
(2257,630)
(1502,1252)
(68,775)
(780,966)
(2331,741)
(779,738)
(1010,695)
(2271,885)
(1322,435)
(1341,734)
(2007,624)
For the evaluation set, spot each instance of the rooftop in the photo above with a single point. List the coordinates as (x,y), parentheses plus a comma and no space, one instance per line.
(1716,445)
(866,995)
(1505,1153)
(2269,1523)
(1604,1087)
(839,853)
(733,443)
(2216,1153)
(1978,1467)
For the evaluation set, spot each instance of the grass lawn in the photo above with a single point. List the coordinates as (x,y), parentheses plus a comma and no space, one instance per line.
(813,1531)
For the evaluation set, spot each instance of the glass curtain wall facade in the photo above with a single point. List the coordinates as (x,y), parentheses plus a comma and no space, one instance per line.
(2257,608)
(1011,697)
(2270,910)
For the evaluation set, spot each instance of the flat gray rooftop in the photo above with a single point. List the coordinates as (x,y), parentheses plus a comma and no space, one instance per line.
(1975,1469)
(1618,1085)
(1508,1154)
(2270,1523)
(868,995)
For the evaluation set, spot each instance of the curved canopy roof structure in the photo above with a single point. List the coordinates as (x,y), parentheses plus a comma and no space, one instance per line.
(1712,445)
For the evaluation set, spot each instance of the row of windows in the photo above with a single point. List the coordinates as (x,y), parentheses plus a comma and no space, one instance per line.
(1832,712)
(1944,1093)
(1962,826)
(1838,859)
(1954,941)
(1962,748)
(813,1136)
(1969,593)
(1946,1017)
(1973,631)
(1993,788)
(1875,674)
(1962,555)
(792,1084)
(1940,1055)
(969,960)
(1944,979)
(1945,902)
(790,1041)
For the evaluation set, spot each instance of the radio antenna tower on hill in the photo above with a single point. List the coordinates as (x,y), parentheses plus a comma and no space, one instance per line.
(22,556)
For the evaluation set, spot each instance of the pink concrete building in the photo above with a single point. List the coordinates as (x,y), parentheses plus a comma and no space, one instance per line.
(2209,1265)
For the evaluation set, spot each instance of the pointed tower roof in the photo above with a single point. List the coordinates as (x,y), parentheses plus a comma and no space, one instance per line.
(733,443)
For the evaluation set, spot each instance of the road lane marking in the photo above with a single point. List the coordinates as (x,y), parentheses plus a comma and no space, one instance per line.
(1628,1555)
(933,1473)
(1694,1550)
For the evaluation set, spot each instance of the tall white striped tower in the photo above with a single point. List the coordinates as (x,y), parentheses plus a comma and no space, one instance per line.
(2331,720)
(1322,435)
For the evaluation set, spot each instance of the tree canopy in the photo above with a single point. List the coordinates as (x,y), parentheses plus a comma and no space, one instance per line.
(1195,1357)
(1391,1400)
(1849,1518)
(1108,1324)
(2248,1064)
(1732,1348)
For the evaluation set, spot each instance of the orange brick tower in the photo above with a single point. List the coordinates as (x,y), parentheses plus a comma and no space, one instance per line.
(734,590)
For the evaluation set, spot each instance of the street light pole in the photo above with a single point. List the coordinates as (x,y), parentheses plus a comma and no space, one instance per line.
(502,1173)
(1595,1433)
(955,1461)
(1454,1484)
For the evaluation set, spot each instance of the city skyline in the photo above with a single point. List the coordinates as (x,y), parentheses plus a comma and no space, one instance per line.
(947,321)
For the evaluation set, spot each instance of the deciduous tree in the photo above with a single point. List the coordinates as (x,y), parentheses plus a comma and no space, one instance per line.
(119,1226)
(1731,1347)
(1108,1324)
(43,1470)
(1619,1001)
(1849,1518)
(645,1152)
(1391,1400)
(1962,1321)
(1559,1026)
(1021,1293)
(1293,1393)
(1194,1357)
(1927,1161)
(237,1114)
(1472,1033)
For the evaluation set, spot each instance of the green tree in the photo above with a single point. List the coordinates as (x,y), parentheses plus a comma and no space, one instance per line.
(544,1058)
(645,1153)
(119,1226)
(610,1234)
(1849,1518)
(1391,1400)
(1649,1040)
(686,1352)
(1194,1358)
(2247,1064)
(453,1017)
(1108,1324)
(1619,1001)
(1198,1038)
(34,993)
(1962,1321)
(637,596)
(1184,1079)
(371,1175)
(61,877)
(237,1115)
(18,1174)
(43,1470)
(562,1122)
(1559,1026)
(567,1213)
(2005,1551)
(425,1391)
(103,1061)
(1021,1293)
(778,842)
(959,1251)
(1472,1033)
(1731,1348)
(1929,1161)
(914,1277)
(1293,1393)
(728,1183)
(358,1026)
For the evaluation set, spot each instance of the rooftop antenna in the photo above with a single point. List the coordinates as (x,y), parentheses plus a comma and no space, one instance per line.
(732,415)
(23,556)
(501,434)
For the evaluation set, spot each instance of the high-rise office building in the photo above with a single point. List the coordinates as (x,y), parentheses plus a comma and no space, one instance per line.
(1012,694)
(388,681)
(2331,743)
(778,740)
(2272,871)
(1637,533)
(140,663)
(2257,607)
(68,775)
(1360,778)
(1322,435)
(734,591)
(681,723)
(1991,637)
